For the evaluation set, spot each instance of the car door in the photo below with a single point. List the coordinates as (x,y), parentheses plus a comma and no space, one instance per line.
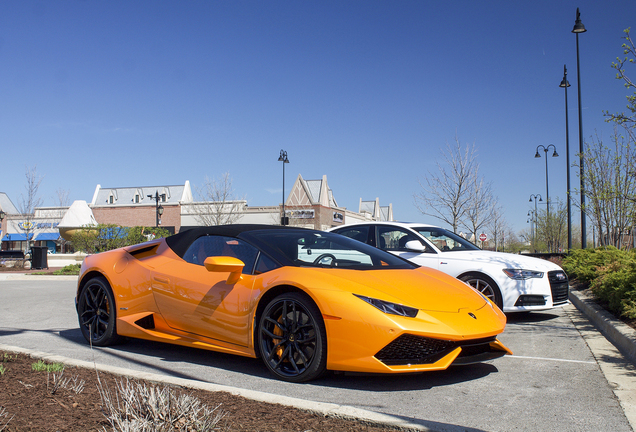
(195,300)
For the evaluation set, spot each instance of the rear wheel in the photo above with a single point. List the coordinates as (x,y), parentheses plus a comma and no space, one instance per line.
(484,285)
(292,338)
(96,312)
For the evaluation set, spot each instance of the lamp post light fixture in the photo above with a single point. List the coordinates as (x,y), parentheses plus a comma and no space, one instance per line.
(158,208)
(580,28)
(565,84)
(547,190)
(536,215)
(283,158)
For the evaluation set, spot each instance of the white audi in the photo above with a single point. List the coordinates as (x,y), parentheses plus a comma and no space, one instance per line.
(513,282)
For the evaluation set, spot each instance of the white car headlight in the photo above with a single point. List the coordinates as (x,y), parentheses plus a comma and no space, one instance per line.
(520,274)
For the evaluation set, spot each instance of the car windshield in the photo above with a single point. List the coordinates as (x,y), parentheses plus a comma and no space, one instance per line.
(445,240)
(321,249)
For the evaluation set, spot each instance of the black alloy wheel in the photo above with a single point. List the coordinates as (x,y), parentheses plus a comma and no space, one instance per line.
(96,313)
(292,338)
(484,285)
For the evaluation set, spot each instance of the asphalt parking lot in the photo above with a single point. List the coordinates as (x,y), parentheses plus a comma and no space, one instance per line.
(563,376)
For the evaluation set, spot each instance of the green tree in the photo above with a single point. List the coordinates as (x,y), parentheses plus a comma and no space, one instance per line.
(104,237)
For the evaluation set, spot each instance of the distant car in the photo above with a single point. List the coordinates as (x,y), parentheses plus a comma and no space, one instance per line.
(513,282)
(303,301)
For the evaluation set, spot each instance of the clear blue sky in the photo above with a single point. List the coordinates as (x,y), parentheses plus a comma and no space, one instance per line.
(138,93)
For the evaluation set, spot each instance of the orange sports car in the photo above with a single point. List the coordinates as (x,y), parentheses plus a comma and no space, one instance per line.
(303,301)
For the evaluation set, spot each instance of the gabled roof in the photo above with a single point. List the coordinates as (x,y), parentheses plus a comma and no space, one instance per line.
(311,192)
(6,205)
(139,195)
(379,213)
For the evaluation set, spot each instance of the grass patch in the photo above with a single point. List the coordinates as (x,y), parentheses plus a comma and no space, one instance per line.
(2,369)
(41,366)
(72,269)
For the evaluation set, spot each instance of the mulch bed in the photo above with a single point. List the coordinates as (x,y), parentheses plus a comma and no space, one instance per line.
(30,405)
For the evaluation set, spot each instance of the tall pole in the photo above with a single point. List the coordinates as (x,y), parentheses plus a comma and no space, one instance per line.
(156,198)
(565,84)
(283,158)
(547,189)
(534,197)
(580,28)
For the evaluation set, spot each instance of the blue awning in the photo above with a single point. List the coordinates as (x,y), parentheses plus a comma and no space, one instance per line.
(16,237)
(47,237)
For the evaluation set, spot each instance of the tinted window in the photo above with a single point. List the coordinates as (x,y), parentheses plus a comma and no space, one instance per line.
(393,238)
(445,240)
(360,233)
(321,249)
(207,246)
(265,264)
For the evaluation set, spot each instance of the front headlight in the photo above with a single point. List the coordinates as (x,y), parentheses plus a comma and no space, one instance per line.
(520,274)
(390,308)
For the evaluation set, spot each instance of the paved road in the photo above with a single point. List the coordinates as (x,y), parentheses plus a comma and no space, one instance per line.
(552,383)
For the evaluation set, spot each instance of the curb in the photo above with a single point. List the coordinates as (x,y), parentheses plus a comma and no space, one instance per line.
(321,408)
(25,276)
(618,333)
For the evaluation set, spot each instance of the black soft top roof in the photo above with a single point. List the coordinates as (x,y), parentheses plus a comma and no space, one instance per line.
(180,243)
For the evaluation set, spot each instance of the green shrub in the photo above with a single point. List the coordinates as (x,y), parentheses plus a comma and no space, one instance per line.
(584,264)
(71,269)
(611,275)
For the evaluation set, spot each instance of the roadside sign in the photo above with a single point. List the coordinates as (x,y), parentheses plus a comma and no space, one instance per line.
(483,237)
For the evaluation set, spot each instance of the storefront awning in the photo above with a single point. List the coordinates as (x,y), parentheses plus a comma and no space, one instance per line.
(16,237)
(47,237)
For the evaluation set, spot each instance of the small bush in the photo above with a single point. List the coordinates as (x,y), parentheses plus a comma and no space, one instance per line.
(71,269)
(141,408)
(41,366)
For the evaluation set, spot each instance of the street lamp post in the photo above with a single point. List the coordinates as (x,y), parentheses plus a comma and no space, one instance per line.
(534,197)
(580,28)
(2,215)
(531,217)
(565,84)
(283,158)
(158,208)
(547,190)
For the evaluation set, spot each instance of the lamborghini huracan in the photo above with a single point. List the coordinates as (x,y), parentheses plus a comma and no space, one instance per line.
(303,301)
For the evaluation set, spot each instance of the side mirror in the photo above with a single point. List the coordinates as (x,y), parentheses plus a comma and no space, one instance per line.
(222,264)
(414,246)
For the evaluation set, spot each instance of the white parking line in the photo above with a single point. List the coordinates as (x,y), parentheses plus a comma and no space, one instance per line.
(551,359)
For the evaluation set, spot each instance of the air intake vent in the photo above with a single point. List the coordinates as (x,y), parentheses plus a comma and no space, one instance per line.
(144,251)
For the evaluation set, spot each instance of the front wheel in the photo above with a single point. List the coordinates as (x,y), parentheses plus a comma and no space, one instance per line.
(484,285)
(292,338)
(96,313)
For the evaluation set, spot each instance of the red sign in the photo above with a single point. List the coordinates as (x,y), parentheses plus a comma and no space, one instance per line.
(483,237)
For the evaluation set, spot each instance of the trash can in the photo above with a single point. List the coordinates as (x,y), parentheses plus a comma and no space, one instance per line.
(39,257)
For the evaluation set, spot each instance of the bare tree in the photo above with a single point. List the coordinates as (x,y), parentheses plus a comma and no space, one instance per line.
(218,206)
(626,120)
(29,202)
(610,187)
(63,199)
(498,227)
(480,207)
(446,194)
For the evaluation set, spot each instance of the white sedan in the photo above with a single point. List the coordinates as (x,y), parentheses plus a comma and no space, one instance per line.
(513,282)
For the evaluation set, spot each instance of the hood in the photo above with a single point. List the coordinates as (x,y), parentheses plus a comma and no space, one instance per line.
(506,260)
(422,288)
